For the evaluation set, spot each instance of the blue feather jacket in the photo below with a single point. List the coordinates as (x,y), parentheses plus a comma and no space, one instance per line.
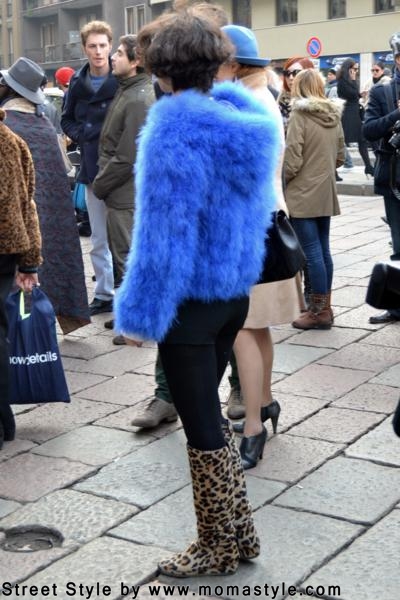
(204,195)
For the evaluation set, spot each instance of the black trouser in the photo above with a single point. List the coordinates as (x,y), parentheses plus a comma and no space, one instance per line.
(8,264)
(194,356)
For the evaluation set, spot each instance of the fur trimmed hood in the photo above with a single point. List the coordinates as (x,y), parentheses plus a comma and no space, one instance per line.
(204,179)
(324,111)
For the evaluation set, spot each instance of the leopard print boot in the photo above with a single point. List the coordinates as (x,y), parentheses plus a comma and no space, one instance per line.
(215,552)
(246,535)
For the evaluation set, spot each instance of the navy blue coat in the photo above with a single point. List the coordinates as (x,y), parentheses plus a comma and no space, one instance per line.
(83,117)
(205,189)
(378,123)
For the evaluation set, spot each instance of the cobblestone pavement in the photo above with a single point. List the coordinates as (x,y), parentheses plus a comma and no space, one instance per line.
(326,494)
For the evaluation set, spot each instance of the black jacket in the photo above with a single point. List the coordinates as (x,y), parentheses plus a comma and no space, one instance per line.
(378,124)
(83,117)
(351,118)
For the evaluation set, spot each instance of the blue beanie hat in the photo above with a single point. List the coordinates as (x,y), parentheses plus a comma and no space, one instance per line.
(245,44)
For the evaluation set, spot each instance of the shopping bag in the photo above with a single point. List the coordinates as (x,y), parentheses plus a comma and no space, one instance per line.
(36,371)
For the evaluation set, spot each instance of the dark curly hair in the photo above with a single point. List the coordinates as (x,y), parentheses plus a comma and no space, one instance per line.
(188,50)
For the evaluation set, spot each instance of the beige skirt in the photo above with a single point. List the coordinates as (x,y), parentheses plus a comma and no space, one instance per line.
(274,303)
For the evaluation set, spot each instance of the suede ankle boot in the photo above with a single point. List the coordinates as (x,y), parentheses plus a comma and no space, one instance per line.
(319,316)
(215,552)
(246,535)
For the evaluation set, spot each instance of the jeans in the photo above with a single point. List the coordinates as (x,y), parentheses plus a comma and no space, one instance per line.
(100,252)
(348,162)
(313,234)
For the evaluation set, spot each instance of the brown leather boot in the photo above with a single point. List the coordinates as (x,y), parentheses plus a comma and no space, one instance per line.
(328,304)
(319,316)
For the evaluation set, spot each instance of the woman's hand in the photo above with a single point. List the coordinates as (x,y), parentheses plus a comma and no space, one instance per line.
(26,281)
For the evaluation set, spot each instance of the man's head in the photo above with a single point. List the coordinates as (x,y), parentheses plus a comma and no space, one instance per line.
(331,75)
(395,46)
(124,60)
(96,38)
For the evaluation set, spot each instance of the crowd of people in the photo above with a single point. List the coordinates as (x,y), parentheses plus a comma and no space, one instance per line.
(188,143)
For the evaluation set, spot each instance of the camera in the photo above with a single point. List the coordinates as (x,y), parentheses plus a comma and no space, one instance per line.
(395,138)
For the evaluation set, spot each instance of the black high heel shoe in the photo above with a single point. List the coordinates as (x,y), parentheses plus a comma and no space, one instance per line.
(8,422)
(271,411)
(252,449)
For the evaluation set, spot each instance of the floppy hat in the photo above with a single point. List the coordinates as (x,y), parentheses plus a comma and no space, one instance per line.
(245,44)
(63,75)
(25,77)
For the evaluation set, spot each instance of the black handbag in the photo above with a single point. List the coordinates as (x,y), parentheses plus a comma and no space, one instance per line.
(284,255)
(384,286)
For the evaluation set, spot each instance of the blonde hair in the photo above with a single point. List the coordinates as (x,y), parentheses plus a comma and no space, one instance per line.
(308,83)
(100,27)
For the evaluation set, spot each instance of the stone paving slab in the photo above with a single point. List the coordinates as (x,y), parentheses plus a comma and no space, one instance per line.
(28,476)
(127,389)
(78,517)
(337,425)
(360,267)
(369,568)
(51,420)
(322,381)
(173,519)
(363,356)
(371,397)
(356,490)
(387,336)
(380,445)
(279,334)
(77,382)
(88,347)
(288,458)
(289,358)
(358,318)
(294,409)
(292,545)
(122,420)
(335,338)
(145,476)
(107,561)
(93,445)
(390,377)
(124,360)
(7,507)
(14,448)
(346,260)
(349,296)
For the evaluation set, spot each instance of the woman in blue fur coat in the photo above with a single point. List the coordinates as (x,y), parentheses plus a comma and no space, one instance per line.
(204,177)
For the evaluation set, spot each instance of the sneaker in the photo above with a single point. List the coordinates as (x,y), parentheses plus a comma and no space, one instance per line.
(109,324)
(119,340)
(153,412)
(98,306)
(236,409)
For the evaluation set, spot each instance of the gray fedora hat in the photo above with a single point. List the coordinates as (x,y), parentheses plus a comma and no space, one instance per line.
(25,77)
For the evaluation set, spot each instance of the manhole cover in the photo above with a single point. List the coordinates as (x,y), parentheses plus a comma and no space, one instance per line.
(31,540)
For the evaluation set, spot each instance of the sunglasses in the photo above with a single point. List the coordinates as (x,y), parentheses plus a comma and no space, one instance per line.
(375,70)
(293,73)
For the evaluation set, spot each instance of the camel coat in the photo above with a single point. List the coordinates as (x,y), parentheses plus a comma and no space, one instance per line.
(278,302)
(314,149)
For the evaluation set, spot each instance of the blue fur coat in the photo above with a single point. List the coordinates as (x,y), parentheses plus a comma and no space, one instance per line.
(205,191)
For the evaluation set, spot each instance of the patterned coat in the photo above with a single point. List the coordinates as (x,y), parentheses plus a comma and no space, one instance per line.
(19,225)
(61,274)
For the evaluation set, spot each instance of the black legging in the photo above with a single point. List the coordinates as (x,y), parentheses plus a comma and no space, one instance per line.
(193,373)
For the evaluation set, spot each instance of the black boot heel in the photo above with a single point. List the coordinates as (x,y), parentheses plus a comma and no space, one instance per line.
(252,449)
(271,411)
